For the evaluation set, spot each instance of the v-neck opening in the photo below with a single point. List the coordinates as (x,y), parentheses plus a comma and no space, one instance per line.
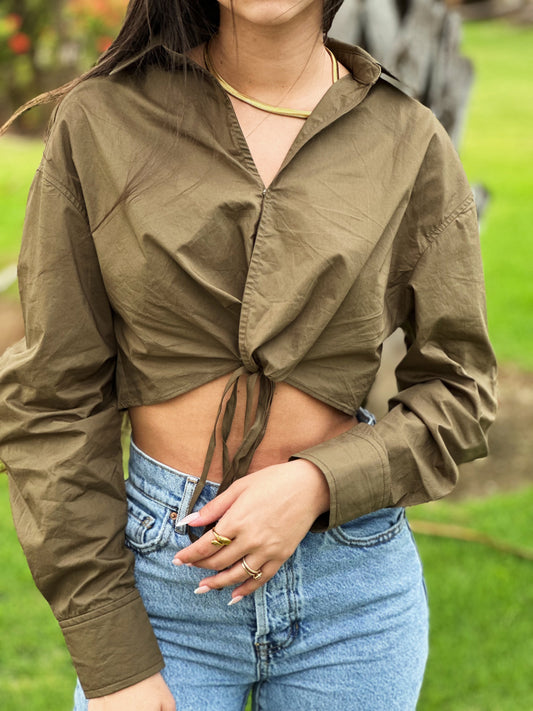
(247,151)
(245,147)
(238,132)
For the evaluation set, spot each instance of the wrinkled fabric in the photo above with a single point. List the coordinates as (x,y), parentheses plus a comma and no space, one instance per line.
(369,225)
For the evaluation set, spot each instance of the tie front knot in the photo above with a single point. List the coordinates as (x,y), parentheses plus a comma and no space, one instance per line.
(254,427)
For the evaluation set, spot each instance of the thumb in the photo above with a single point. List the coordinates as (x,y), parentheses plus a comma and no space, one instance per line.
(213,510)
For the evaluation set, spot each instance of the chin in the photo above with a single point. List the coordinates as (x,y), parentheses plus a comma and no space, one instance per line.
(272,13)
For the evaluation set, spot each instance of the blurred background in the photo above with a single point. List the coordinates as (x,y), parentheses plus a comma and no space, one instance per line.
(471,62)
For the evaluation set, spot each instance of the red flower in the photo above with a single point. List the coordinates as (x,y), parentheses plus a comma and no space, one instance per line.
(19,43)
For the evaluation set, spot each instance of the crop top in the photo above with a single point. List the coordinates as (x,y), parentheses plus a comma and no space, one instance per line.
(201,272)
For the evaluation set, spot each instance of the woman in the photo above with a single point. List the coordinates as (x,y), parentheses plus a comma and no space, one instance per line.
(229,219)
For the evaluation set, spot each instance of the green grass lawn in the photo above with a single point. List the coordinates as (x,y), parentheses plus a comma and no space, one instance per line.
(481,639)
(35,669)
(481,600)
(498,151)
(19,159)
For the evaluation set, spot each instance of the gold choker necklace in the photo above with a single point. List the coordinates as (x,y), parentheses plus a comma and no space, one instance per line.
(259,104)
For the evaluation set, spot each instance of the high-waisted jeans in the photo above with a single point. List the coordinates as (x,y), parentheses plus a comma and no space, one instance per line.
(342,625)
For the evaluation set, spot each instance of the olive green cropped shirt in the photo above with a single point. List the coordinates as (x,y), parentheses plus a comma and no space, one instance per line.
(201,272)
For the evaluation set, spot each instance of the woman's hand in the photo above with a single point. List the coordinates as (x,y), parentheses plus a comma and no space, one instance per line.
(151,694)
(266,514)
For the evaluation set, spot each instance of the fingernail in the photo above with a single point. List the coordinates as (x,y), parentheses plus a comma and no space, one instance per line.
(177,561)
(235,600)
(202,589)
(189,519)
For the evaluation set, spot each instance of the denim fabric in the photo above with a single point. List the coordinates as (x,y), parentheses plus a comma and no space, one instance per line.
(343,624)
(363,415)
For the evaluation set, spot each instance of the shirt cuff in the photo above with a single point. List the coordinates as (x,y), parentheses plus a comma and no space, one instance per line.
(113,647)
(356,467)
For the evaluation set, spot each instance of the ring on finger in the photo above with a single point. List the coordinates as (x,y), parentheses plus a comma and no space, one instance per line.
(219,540)
(255,574)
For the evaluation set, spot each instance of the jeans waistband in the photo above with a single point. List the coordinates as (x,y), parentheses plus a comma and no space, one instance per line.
(162,482)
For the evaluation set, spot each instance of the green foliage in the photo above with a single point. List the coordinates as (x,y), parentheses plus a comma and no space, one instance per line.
(43,45)
(92,25)
(26,51)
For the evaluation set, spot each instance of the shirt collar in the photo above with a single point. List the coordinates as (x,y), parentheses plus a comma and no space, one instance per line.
(363,67)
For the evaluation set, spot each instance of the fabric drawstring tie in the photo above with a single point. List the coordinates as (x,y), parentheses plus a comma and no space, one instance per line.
(254,431)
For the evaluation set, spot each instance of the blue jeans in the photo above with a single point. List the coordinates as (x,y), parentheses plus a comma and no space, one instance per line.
(343,623)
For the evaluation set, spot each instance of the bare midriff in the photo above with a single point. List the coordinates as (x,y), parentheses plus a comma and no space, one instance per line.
(177,432)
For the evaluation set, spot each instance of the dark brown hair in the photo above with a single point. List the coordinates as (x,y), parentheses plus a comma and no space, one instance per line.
(180,24)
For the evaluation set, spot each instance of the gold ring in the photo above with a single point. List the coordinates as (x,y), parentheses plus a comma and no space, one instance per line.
(219,540)
(255,574)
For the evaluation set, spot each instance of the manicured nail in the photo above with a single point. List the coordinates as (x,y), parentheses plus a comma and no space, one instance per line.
(235,600)
(189,519)
(202,589)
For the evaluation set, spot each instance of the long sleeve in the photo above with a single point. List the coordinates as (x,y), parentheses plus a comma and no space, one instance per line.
(446,381)
(60,441)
